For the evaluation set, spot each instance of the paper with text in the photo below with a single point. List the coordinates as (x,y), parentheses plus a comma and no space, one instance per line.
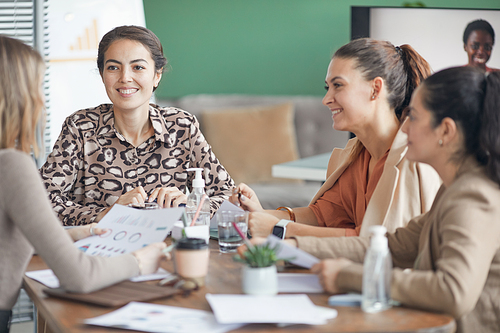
(130,229)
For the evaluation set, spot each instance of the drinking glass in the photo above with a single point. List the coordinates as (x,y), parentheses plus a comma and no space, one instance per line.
(229,238)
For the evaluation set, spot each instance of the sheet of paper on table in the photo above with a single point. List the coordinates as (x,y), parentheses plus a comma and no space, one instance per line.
(161,318)
(300,258)
(279,309)
(226,205)
(299,283)
(48,278)
(130,229)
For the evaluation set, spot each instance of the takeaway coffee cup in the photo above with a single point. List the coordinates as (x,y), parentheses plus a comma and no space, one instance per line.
(191,259)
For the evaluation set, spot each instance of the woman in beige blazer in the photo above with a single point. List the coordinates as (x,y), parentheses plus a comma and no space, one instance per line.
(447,260)
(369,85)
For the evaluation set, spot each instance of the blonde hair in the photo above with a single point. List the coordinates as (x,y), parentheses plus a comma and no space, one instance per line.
(21,98)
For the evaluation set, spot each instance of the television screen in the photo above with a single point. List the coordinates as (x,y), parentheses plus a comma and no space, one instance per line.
(435,33)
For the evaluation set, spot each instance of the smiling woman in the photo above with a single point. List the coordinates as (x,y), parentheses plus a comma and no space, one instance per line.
(129,151)
(479,38)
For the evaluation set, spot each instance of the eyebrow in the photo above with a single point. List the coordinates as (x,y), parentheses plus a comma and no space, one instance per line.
(333,79)
(133,61)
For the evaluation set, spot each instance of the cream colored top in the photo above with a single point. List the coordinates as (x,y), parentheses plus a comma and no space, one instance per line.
(405,189)
(27,220)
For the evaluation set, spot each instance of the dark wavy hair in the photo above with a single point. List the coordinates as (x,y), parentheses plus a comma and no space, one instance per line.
(471,98)
(478,25)
(139,34)
(402,68)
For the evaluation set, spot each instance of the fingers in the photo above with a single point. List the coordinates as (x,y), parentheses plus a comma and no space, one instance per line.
(96,231)
(168,197)
(137,195)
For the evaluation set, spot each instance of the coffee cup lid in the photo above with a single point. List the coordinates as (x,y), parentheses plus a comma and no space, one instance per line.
(191,244)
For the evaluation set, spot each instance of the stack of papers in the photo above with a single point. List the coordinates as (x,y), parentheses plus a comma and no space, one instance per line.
(48,278)
(280,309)
(161,318)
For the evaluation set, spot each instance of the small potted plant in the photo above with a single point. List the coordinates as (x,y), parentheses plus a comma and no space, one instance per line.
(259,275)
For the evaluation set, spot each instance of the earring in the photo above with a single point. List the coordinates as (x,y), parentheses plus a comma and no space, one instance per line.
(373,97)
(440,142)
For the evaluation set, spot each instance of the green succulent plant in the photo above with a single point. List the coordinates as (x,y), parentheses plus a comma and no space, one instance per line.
(260,256)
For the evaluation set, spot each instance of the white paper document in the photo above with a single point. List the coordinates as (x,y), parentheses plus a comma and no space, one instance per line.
(279,309)
(225,206)
(298,283)
(161,318)
(285,251)
(130,229)
(48,278)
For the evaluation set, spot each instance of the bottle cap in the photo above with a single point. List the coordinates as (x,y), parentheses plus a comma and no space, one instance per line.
(378,240)
(198,180)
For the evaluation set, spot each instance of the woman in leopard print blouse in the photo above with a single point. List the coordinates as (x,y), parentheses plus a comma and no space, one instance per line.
(129,151)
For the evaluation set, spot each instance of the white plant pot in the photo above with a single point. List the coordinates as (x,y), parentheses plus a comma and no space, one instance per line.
(260,280)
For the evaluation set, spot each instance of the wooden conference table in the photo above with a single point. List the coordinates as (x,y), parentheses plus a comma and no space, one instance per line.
(224,278)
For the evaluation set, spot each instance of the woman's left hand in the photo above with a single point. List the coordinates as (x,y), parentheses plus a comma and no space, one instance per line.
(168,197)
(85,231)
(327,271)
(261,224)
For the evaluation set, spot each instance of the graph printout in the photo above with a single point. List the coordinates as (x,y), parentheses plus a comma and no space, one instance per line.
(129,229)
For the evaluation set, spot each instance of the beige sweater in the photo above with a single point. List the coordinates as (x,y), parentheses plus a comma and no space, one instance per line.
(454,251)
(27,220)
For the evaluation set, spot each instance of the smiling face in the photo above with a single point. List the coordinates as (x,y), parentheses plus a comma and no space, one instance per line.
(348,96)
(423,138)
(478,48)
(129,75)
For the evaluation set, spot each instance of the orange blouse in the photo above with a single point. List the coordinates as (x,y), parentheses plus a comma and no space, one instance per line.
(344,204)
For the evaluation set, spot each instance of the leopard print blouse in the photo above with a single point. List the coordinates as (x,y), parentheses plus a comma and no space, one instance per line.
(92,164)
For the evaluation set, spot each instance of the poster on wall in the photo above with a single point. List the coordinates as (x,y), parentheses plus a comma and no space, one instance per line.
(74,29)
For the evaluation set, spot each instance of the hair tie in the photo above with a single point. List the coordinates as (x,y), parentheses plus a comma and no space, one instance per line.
(398,50)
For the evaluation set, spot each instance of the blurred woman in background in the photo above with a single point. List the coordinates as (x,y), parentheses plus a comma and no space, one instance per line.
(479,38)
(27,220)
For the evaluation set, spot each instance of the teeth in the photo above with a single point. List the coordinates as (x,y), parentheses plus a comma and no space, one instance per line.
(480,60)
(337,111)
(127,91)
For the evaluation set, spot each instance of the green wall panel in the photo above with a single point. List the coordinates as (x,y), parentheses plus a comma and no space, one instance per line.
(263,47)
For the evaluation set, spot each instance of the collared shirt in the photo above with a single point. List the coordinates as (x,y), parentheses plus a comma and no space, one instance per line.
(92,164)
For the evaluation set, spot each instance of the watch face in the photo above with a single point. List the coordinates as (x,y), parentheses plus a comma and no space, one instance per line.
(278,231)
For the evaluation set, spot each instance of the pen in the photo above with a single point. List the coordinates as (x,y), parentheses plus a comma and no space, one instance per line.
(168,248)
(245,239)
(202,200)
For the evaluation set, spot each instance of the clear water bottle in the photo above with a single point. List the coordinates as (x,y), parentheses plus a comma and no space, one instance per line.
(377,271)
(194,198)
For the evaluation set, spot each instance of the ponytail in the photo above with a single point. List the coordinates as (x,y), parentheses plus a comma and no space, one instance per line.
(417,69)
(489,134)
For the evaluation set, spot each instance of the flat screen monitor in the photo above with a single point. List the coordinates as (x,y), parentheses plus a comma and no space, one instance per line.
(436,33)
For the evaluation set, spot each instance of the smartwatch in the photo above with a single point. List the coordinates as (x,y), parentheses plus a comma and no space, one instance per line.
(279,229)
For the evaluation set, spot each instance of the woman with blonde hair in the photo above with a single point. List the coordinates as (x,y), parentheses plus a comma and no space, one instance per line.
(370,182)
(27,220)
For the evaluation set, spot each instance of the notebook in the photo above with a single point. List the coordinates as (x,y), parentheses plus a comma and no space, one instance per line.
(118,294)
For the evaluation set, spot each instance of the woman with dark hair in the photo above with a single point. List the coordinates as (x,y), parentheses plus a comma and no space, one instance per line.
(27,220)
(370,182)
(479,38)
(447,260)
(130,151)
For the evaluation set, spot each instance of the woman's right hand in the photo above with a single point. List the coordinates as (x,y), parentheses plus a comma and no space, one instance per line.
(150,257)
(245,197)
(137,195)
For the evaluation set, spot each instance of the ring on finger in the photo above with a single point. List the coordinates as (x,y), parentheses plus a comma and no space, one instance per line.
(92,233)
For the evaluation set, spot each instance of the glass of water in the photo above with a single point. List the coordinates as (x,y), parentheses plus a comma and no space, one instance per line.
(229,238)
